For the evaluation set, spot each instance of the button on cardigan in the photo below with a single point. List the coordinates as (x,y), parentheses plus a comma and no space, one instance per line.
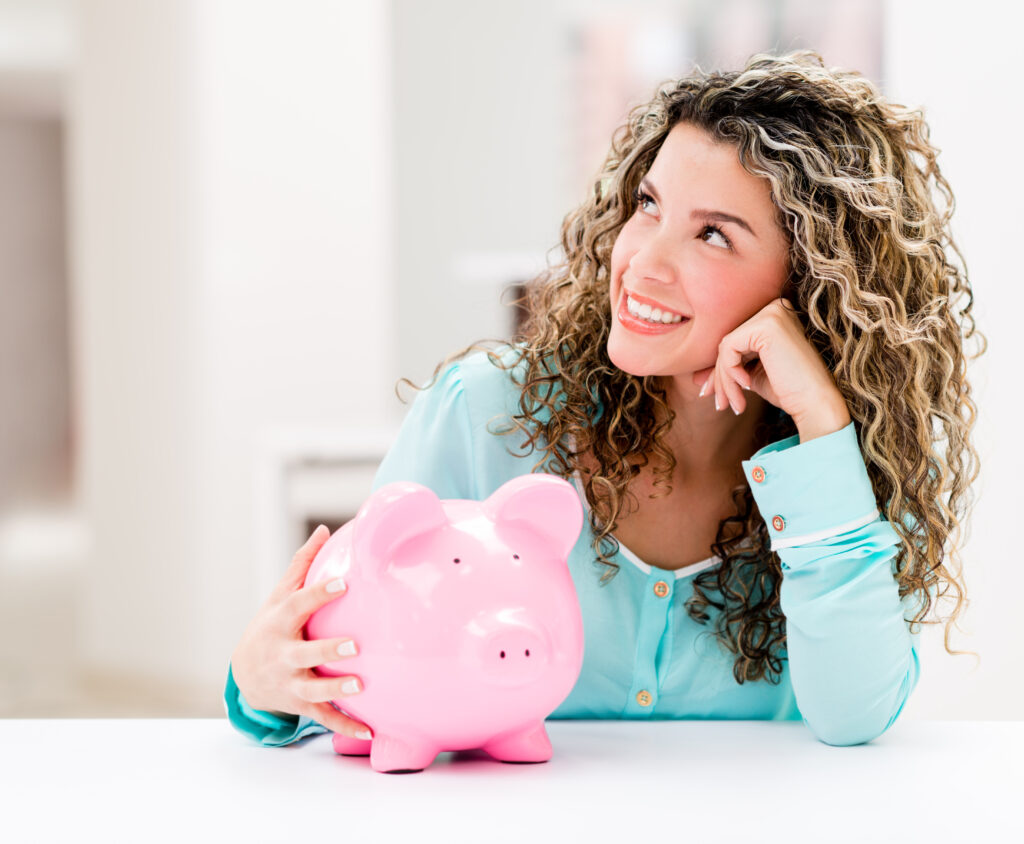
(850,661)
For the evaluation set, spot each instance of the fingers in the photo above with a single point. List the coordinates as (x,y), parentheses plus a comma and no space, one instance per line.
(705,382)
(304,556)
(727,385)
(732,376)
(733,391)
(338,722)
(726,392)
(304,601)
(321,689)
(295,575)
(319,651)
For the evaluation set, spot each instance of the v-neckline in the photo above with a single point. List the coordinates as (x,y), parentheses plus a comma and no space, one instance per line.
(647,568)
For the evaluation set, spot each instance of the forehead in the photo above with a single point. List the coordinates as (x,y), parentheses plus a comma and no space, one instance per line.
(689,150)
(693,166)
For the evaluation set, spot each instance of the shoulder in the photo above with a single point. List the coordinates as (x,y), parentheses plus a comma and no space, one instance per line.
(488,379)
(489,383)
(489,365)
(493,383)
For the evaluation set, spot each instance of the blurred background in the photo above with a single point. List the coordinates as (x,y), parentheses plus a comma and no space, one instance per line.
(227,228)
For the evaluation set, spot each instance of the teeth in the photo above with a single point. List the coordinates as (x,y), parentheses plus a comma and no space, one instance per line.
(648,314)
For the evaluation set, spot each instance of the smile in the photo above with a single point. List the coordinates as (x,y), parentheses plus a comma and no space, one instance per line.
(631,315)
(649,314)
(649,308)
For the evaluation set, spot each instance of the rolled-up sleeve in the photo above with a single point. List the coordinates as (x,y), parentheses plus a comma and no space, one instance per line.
(264,727)
(852,658)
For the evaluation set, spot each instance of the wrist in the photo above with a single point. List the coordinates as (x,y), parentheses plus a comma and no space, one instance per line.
(831,418)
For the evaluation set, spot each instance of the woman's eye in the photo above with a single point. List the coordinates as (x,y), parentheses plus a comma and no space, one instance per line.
(642,198)
(715,230)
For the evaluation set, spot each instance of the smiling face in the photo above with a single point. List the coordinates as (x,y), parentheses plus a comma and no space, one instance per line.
(703,242)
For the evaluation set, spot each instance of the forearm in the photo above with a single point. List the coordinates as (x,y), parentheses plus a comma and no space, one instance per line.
(852,661)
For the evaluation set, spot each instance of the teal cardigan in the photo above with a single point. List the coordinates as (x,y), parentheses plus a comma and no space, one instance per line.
(850,662)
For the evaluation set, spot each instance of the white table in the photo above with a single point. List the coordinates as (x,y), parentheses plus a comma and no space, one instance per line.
(197,780)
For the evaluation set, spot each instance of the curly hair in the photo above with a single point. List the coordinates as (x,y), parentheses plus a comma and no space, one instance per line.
(875,286)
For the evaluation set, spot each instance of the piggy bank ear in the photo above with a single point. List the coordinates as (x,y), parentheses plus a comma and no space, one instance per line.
(547,504)
(394,514)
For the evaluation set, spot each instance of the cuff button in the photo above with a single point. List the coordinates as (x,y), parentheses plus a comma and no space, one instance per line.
(778,523)
(757,473)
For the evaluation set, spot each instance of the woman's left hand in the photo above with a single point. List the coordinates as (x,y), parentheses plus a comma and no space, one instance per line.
(789,372)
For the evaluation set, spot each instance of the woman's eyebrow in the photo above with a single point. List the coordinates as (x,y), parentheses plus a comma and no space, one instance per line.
(701,213)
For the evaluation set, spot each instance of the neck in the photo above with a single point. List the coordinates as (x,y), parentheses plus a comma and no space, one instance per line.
(706,441)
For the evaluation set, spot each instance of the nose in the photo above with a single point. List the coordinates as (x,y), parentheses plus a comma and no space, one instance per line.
(515,657)
(654,260)
(509,651)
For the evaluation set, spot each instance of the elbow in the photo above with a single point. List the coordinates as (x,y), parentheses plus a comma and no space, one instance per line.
(843,736)
(859,728)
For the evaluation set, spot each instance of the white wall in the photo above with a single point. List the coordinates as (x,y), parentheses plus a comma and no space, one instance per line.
(960,63)
(232,272)
(243,172)
(480,123)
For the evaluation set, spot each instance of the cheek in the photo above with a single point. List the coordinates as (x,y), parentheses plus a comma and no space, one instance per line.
(718,294)
(621,251)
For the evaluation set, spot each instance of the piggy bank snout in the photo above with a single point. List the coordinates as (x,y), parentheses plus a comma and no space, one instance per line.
(511,654)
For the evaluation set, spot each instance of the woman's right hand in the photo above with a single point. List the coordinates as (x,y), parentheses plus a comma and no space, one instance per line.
(273,663)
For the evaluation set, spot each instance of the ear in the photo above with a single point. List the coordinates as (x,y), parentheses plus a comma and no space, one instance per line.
(543,503)
(395,513)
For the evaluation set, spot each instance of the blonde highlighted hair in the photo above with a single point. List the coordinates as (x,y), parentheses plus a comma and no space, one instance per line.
(874,278)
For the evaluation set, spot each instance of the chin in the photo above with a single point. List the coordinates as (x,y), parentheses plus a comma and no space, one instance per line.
(636,361)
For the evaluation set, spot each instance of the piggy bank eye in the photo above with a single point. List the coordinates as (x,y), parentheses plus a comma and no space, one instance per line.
(456,560)
(515,556)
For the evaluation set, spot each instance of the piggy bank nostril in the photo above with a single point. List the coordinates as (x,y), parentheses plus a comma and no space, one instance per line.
(527,651)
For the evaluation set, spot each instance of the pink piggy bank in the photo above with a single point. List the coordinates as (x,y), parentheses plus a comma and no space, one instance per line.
(465,616)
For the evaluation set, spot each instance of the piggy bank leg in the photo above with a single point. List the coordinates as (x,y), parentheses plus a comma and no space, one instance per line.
(392,755)
(529,745)
(347,746)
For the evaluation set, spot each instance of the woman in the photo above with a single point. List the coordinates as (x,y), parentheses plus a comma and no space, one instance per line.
(766,239)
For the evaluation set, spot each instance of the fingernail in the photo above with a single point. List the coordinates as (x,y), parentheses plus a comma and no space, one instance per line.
(347,648)
(364,734)
(336,585)
(744,386)
(350,687)
(702,389)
